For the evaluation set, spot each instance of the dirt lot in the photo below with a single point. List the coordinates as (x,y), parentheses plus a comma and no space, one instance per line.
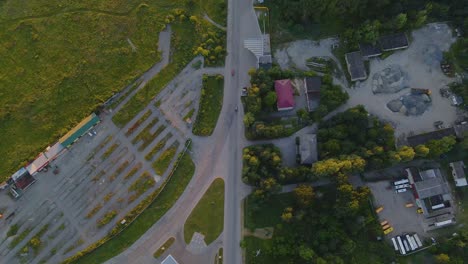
(402,219)
(419,65)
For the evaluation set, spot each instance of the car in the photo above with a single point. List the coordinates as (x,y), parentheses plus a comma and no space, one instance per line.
(233,72)
(386,232)
(439,124)
(236,109)
(244,91)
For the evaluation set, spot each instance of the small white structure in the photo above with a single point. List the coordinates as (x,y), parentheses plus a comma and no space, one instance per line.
(458,172)
(169,260)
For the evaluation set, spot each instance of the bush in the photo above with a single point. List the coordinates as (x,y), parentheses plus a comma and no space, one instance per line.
(13,230)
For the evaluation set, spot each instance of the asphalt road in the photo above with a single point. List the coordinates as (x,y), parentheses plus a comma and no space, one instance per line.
(216,156)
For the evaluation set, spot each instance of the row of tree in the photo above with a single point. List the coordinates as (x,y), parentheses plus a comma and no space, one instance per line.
(356,132)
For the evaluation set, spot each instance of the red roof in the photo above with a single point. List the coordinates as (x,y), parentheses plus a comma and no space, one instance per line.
(284,94)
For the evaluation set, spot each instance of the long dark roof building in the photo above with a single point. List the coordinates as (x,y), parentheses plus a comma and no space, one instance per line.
(434,135)
(369,50)
(393,42)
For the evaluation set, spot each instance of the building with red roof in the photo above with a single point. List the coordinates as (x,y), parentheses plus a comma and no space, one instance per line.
(284,95)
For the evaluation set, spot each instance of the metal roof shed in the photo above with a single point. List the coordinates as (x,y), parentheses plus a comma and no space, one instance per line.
(79,130)
(355,64)
(40,162)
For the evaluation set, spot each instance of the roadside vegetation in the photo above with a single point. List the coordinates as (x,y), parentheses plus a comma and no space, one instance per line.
(162,162)
(207,217)
(142,217)
(164,247)
(137,123)
(159,146)
(211,102)
(140,186)
(109,151)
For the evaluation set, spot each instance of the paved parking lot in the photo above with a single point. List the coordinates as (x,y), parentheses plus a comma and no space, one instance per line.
(402,219)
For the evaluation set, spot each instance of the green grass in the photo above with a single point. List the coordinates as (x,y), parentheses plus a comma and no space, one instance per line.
(160,145)
(13,230)
(145,133)
(219,257)
(107,218)
(252,244)
(148,140)
(109,151)
(163,202)
(263,19)
(208,216)
(162,162)
(211,102)
(137,124)
(164,247)
(62,59)
(19,238)
(122,97)
(189,114)
(140,186)
(94,210)
(267,215)
(133,171)
(216,10)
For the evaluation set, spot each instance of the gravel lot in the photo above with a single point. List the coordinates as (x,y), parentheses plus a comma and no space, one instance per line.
(419,65)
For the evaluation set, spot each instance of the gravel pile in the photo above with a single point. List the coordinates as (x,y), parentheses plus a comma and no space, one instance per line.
(410,104)
(389,80)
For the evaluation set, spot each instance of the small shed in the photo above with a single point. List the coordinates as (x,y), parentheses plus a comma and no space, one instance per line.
(40,162)
(355,65)
(79,130)
(284,95)
(52,152)
(308,148)
(458,173)
(169,260)
(312,87)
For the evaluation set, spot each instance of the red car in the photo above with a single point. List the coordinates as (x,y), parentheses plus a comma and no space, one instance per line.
(232,72)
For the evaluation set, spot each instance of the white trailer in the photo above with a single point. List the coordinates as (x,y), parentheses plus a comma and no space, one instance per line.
(408,249)
(418,241)
(410,242)
(401,182)
(402,248)
(414,242)
(394,244)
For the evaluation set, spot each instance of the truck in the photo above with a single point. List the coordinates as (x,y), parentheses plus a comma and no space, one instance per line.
(417,91)
(402,248)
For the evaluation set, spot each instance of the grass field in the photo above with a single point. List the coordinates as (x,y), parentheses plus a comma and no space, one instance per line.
(62,59)
(50,80)
(211,103)
(208,216)
(268,215)
(216,10)
(163,202)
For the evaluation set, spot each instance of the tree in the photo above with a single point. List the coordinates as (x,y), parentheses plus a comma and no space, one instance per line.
(249,119)
(287,214)
(306,253)
(400,21)
(269,100)
(421,151)
(438,147)
(304,195)
(442,258)
(406,153)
